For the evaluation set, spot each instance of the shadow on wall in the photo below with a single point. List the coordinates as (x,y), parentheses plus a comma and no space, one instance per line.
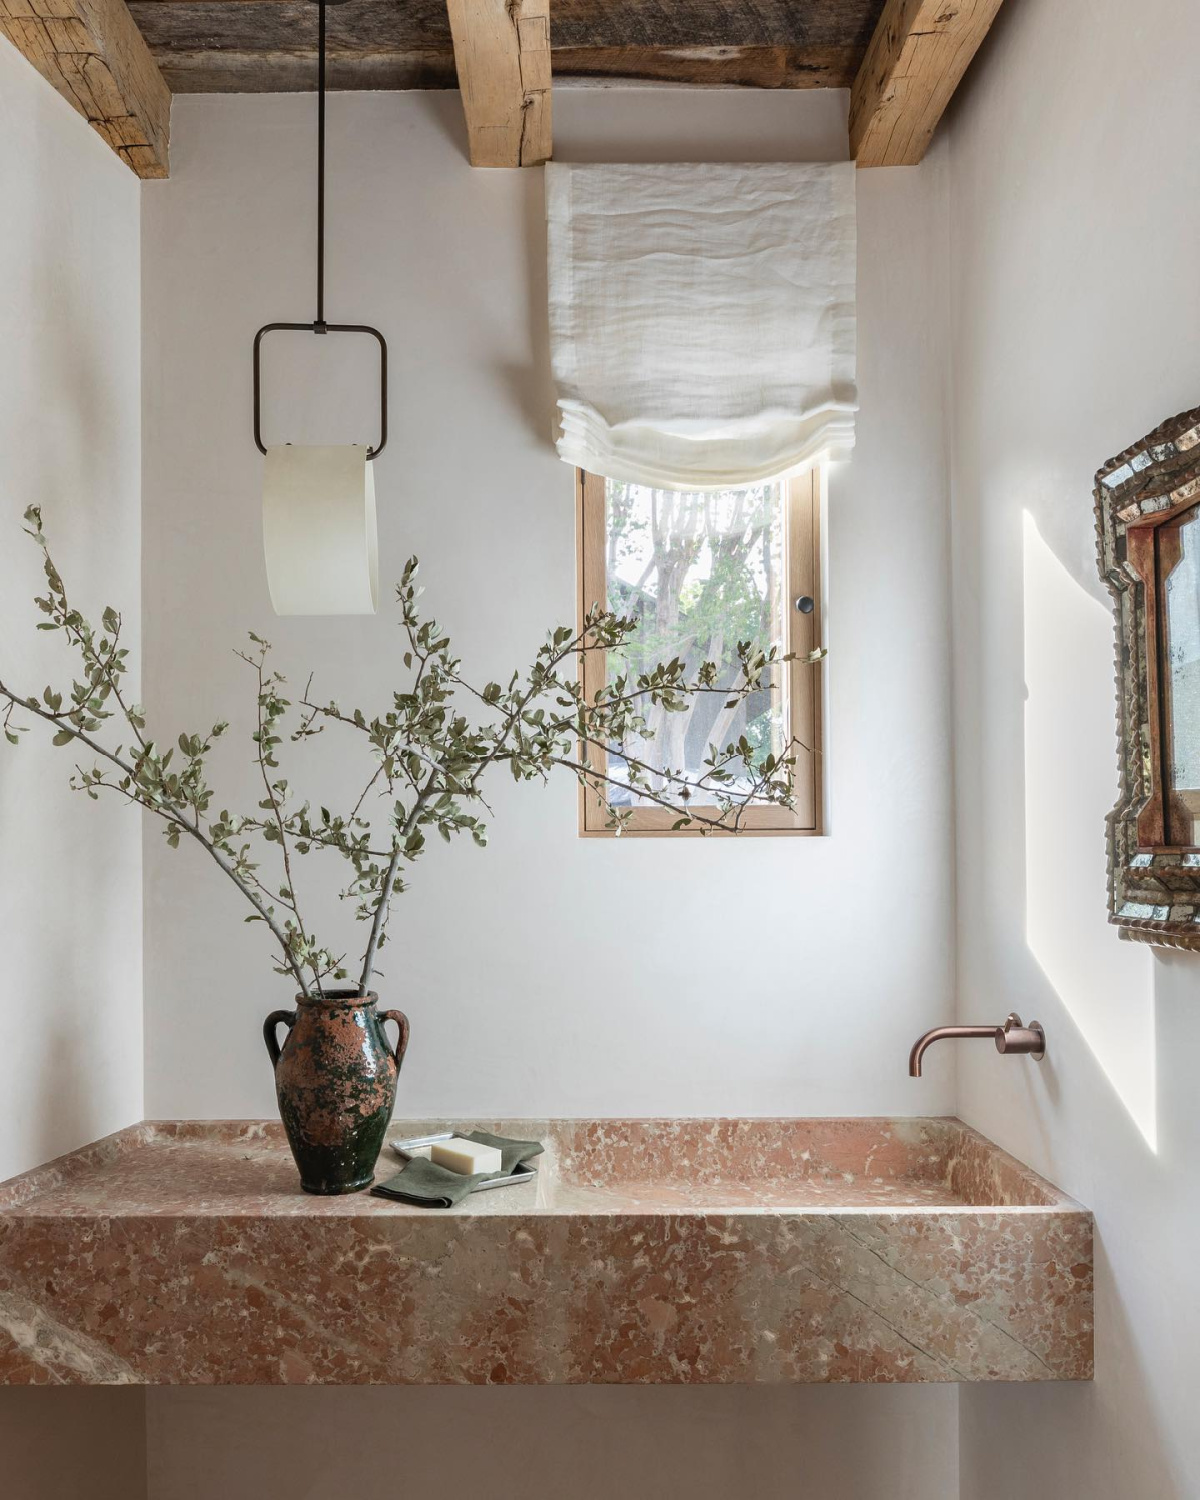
(67,1444)
(71,399)
(69,437)
(74,1099)
(529,384)
(549,1442)
(1001,1460)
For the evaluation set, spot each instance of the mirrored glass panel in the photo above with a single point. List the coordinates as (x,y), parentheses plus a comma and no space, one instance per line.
(1180,553)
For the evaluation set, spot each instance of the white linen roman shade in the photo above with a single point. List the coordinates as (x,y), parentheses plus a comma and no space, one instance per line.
(702,319)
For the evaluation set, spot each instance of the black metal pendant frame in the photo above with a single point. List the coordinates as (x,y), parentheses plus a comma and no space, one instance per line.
(319,325)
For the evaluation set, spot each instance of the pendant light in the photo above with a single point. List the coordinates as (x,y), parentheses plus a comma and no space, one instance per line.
(319,532)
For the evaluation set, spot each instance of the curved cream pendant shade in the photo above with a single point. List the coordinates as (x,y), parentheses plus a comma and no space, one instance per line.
(319,531)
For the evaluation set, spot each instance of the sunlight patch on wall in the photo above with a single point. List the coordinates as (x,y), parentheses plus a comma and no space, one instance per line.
(1070,784)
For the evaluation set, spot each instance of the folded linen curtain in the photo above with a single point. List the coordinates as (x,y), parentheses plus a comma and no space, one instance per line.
(702,319)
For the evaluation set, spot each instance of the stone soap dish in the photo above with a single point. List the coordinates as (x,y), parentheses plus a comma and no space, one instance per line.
(523,1172)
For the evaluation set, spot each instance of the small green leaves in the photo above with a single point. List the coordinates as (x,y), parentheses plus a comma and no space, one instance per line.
(429,753)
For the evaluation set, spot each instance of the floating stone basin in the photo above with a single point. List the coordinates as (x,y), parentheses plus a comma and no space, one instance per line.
(644,1252)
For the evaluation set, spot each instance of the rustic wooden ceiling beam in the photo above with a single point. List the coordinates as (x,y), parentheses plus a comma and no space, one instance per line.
(417,24)
(914,61)
(242,69)
(269,46)
(94,55)
(502,53)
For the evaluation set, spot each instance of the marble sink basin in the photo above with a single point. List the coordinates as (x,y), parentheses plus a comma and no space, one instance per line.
(644,1251)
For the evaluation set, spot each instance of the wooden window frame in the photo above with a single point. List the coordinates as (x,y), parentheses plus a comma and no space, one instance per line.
(802,570)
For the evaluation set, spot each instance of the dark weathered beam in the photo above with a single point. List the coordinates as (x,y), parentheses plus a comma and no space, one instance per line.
(247,71)
(226,71)
(270,45)
(758,67)
(915,60)
(94,55)
(419,24)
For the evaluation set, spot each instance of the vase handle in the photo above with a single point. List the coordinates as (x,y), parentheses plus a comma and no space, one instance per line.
(401,1021)
(270,1025)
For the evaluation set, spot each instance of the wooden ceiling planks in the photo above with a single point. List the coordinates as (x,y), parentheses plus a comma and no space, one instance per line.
(268,46)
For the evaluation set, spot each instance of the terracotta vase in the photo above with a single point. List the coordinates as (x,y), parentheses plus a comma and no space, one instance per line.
(335,1080)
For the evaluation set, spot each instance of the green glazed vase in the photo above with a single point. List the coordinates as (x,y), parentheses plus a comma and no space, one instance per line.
(335,1080)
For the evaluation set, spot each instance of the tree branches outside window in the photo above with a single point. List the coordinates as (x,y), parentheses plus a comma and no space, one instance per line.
(699,572)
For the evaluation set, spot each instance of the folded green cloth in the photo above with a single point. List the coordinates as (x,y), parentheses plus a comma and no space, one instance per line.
(425,1183)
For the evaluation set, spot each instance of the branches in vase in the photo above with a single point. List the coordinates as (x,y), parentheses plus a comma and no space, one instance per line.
(428,753)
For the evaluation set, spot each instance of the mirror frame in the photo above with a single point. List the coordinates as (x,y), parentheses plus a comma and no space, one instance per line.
(1153,887)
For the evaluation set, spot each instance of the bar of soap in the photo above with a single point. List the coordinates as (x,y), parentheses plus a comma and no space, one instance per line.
(465,1157)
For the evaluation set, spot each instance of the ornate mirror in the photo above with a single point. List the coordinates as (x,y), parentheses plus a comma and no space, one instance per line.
(1148,519)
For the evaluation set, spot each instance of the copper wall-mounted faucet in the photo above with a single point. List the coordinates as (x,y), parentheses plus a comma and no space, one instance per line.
(1012,1036)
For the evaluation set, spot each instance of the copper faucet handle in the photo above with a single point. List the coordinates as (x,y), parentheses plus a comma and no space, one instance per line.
(1015,1036)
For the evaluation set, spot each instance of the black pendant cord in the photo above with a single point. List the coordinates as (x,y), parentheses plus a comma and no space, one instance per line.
(319,325)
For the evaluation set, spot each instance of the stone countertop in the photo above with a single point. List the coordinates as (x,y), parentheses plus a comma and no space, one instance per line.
(644,1251)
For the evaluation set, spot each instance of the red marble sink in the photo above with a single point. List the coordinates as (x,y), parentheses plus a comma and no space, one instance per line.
(645,1251)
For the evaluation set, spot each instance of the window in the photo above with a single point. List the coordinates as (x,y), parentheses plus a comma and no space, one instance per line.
(702,571)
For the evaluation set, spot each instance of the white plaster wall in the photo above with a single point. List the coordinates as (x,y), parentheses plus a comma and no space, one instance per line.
(586,1443)
(70,432)
(1075,225)
(548,974)
(846,957)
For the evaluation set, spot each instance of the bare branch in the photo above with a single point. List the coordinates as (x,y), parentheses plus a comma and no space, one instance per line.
(170,814)
(423,742)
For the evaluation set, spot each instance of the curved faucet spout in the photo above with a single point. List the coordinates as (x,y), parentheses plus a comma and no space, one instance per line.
(943,1033)
(1011,1036)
